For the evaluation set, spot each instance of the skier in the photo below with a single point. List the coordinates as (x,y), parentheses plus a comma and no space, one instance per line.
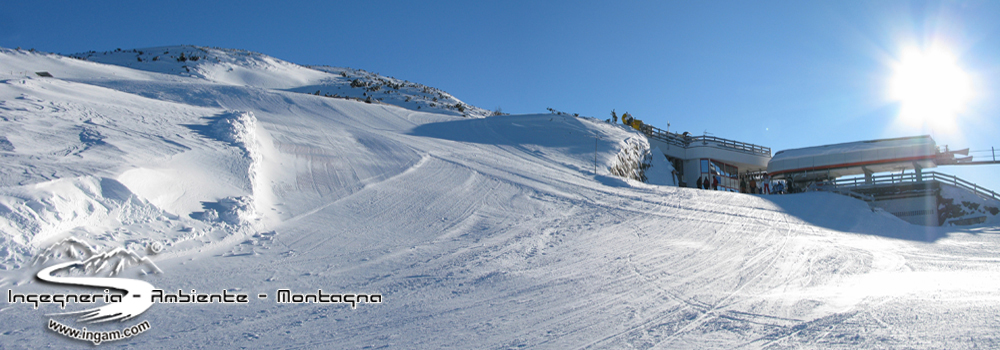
(698,183)
(767,184)
(614,117)
(715,183)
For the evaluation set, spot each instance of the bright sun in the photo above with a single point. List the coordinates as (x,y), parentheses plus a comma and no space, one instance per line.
(931,88)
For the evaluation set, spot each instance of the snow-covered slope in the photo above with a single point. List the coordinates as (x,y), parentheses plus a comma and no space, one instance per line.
(479,232)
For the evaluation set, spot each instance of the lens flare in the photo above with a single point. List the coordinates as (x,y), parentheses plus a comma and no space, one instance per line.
(931,87)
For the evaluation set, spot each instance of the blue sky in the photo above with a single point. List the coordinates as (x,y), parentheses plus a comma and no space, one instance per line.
(783,74)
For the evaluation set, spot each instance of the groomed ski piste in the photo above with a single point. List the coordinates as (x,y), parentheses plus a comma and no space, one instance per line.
(230,173)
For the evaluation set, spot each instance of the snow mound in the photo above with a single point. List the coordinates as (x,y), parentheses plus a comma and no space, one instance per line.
(239,129)
(34,213)
(230,210)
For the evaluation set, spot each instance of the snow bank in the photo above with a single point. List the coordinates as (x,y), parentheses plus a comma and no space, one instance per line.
(33,216)
(239,129)
(660,171)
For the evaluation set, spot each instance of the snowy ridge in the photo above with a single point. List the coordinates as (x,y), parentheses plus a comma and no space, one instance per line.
(245,68)
(226,66)
(240,130)
(403,93)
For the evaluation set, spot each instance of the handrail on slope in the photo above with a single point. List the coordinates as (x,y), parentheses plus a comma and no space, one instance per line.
(859,182)
(685,141)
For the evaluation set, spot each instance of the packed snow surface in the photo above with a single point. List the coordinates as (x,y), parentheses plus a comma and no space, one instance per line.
(228,173)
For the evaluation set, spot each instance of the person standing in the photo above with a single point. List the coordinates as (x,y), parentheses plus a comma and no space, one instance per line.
(767,184)
(715,183)
(698,183)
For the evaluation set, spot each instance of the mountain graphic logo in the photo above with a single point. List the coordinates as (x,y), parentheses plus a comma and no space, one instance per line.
(98,270)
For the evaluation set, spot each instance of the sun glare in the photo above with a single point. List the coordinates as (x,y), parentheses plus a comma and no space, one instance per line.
(931,88)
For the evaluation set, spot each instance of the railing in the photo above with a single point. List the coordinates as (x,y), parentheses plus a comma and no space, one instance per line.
(686,141)
(843,190)
(671,138)
(850,193)
(859,181)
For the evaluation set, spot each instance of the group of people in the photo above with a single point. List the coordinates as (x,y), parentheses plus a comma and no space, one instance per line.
(760,184)
(749,183)
(709,183)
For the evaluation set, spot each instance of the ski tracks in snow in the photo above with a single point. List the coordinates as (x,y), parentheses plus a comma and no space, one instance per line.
(683,314)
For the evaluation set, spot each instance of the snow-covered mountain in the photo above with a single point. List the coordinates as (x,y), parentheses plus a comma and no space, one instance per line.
(245,68)
(478,232)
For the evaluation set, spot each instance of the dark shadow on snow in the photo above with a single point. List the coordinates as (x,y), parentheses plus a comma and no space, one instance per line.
(611,181)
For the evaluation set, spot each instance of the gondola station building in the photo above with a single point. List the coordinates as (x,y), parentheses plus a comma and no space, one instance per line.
(886,173)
